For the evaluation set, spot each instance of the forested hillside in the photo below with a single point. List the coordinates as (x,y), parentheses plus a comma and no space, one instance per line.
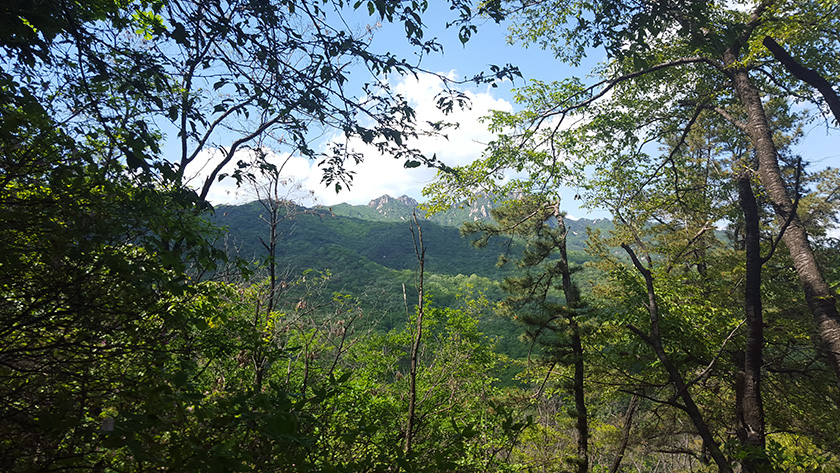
(146,326)
(371,256)
(376,235)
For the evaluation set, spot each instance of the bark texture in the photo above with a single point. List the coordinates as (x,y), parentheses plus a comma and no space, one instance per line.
(821,300)
(749,408)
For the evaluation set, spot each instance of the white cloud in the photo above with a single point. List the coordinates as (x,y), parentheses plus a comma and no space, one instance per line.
(224,191)
(295,171)
(377,175)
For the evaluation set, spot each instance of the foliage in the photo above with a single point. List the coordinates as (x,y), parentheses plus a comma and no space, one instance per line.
(96,301)
(546,302)
(116,353)
(688,98)
(130,342)
(233,77)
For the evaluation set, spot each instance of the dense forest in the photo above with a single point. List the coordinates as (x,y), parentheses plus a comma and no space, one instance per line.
(144,328)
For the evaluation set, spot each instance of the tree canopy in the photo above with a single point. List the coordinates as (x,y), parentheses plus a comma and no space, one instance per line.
(674,69)
(702,334)
(667,63)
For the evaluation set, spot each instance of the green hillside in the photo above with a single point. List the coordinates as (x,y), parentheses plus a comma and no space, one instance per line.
(374,258)
(368,251)
(313,239)
(366,244)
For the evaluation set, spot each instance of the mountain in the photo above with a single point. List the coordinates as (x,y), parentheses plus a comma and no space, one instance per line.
(381,209)
(369,253)
(371,245)
(376,236)
(391,209)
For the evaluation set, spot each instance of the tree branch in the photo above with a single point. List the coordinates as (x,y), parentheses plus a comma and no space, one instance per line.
(714,360)
(774,243)
(728,117)
(608,84)
(809,76)
(205,189)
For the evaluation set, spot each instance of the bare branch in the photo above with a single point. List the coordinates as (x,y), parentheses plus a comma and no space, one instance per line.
(708,368)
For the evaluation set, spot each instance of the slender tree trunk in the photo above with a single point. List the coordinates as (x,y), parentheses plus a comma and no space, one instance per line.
(581,422)
(821,300)
(572,302)
(749,408)
(655,342)
(625,433)
(420,251)
(271,203)
(260,359)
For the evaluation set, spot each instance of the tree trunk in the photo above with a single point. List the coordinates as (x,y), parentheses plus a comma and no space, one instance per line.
(582,422)
(420,252)
(625,433)
(749,407)
(820,298)
(674,375)
(572,302)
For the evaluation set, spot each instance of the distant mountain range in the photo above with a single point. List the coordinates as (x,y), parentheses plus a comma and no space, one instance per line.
(369,253)
(392,209)
(379,232)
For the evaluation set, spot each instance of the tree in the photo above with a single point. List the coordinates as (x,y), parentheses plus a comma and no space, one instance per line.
(274,194)
(672,67)
(666,62)
(96,309)
(420,252)
(552,325)
(750,406)
(223,78)
(106,334)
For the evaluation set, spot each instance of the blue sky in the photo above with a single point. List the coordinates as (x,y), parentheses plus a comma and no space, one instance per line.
(380,175)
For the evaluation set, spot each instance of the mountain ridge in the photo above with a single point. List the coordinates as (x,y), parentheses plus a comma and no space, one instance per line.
(387,208)
(367,251)
(378,233)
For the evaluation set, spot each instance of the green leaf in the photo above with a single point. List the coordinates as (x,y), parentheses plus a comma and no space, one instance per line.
(180,378)
(179,34)
(133,161)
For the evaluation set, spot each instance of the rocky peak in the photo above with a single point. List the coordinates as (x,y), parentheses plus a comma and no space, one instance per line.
(480,211)
(386,199)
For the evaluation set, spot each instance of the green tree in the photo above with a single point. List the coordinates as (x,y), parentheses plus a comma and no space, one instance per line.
(660,89)
(94,302)
(671,224)
(666,62)
(107,333)
(544,298)
(227,77)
